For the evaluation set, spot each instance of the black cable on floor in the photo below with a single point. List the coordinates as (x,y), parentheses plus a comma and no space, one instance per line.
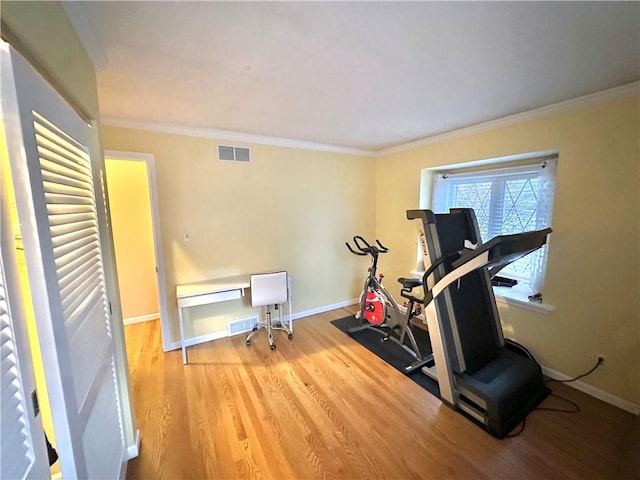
(524,424)
(576,407)
(582,375)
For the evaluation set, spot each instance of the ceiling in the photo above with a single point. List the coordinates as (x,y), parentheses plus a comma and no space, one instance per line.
(360,75)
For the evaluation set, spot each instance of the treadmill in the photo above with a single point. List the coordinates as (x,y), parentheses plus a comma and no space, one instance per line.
(493,385)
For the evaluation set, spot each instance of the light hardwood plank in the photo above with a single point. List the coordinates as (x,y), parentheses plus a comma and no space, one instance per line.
(322,406)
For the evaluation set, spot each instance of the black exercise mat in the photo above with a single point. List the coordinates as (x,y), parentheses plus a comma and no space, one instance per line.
(391,352)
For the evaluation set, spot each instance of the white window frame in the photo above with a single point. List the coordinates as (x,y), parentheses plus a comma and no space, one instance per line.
(436,182)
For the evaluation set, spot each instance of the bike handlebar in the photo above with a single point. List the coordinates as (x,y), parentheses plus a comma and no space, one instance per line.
(382,248)
(357,239)
(353,251)
(368,249)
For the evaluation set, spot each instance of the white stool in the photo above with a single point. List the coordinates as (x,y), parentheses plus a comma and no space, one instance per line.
(269,289)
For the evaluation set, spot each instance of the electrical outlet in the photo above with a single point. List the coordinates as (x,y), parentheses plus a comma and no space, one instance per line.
(187,236)
(601,358)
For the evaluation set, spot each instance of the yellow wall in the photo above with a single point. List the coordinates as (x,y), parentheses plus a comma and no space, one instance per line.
(293,209)
(130,211)
(288,209)
(593,268)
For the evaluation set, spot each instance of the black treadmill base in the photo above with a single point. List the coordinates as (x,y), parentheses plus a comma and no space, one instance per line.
(502,429)
(510,386)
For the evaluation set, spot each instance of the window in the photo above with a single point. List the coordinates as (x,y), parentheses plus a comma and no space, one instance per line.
(506,201)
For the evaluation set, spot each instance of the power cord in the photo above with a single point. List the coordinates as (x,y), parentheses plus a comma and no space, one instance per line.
(575,409)
(582,375)
(522,427)
(523,424)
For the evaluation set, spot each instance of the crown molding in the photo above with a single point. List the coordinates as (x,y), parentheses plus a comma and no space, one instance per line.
(554,109)
(230,136)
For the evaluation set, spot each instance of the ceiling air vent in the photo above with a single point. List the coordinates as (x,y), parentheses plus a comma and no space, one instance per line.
(234,154)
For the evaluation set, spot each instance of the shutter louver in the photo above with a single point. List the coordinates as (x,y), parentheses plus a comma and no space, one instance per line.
(73,223)
(17,452)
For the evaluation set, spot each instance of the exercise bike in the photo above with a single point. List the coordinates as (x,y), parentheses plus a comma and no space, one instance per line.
(380,312)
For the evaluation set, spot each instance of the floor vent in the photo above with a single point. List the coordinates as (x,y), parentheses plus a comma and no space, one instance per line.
(242,326)
(234,154)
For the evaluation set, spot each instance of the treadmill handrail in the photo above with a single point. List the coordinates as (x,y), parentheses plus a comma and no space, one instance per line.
(517,245)
(494,255)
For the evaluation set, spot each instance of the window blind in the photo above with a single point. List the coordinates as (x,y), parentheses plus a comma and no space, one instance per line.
(506,200)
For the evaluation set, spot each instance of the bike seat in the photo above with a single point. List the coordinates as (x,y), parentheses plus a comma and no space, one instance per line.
(410,282)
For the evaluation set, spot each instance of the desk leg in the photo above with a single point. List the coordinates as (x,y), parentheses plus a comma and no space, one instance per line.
(184,350)
(290,309)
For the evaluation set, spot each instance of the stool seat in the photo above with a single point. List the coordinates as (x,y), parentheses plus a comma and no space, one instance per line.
(267,290)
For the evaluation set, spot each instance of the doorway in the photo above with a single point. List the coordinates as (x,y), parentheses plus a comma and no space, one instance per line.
(132,197)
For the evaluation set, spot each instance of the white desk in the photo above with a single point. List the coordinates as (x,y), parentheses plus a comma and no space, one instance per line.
(207,292)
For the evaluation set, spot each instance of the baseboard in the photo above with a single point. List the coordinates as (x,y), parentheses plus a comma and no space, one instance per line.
(189,342)
(326,308)
(594,392)
(316,311)
(140,319)
(225,333)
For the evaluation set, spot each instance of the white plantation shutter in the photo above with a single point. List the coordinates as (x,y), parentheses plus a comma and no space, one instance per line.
(70,200)
(100,437)
(58,210)
(73,223)
(17,453)
(23,452)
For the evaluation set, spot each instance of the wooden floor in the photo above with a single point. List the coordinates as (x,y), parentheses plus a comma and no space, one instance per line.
(322,406)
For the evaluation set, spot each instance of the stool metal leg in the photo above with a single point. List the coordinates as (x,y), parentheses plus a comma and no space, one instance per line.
(269,326)
(281,326)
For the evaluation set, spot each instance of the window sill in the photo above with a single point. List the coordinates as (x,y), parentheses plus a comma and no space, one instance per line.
(506,297)
(511,298)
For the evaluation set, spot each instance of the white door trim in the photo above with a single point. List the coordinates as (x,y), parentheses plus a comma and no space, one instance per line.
(149,160)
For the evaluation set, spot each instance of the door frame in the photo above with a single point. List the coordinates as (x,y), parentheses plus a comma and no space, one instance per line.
(149,160)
